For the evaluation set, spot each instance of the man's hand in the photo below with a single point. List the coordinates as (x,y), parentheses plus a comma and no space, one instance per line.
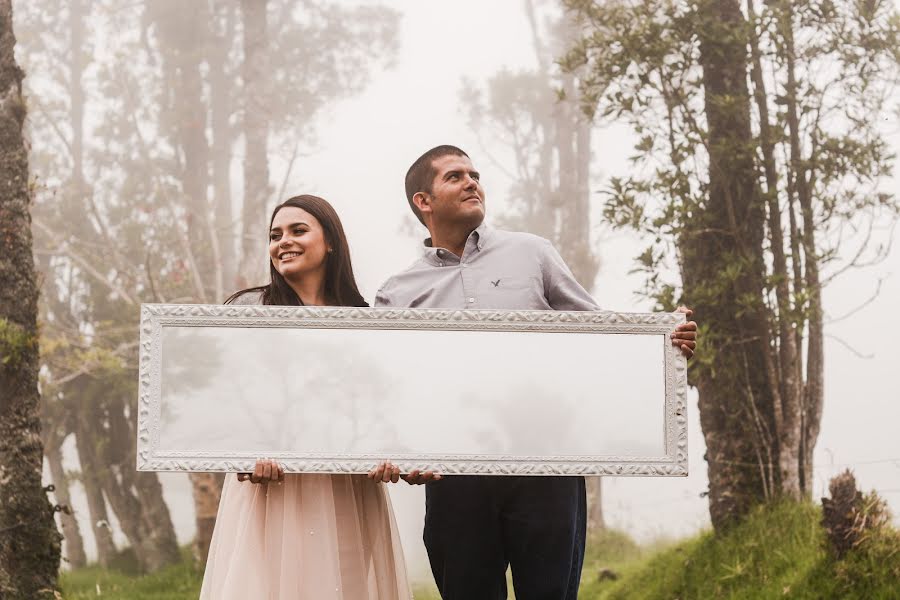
(685,335)
(387,472)
(415,477)
(266,471)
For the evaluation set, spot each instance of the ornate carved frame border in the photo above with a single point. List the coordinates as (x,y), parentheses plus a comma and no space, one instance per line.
(156,316)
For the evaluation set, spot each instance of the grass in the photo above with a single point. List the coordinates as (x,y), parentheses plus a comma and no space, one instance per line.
(777,552)
(173,583)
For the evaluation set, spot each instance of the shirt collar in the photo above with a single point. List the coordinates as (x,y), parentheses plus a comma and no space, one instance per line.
(479,237)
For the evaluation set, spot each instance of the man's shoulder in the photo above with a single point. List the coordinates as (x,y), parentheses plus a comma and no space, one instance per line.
(519,240)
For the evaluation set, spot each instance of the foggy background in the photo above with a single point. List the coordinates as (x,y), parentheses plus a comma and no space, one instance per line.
(355,150)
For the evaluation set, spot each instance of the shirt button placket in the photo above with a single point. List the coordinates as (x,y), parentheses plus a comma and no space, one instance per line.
(468,285)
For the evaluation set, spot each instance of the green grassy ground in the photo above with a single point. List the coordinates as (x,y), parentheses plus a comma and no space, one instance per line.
(178,582)
(778,552)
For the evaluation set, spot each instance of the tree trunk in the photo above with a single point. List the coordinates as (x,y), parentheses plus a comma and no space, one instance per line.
(594,488)
(107,446)
(256,135)
(29,540)
(811,405)
(192,116)
(574,152)
(135,497)
(186,41)
(207,491)
(162,545)
(223,139)
(100,527)
(788,400)
(74,543)
(573,232)
(721,269)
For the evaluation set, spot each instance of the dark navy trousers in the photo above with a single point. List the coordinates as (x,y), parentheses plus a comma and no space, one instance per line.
(475,526)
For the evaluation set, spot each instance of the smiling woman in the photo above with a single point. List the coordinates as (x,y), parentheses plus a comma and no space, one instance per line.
(309,535)
(310,258)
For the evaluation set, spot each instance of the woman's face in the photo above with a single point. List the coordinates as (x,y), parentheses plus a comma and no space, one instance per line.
(297,243)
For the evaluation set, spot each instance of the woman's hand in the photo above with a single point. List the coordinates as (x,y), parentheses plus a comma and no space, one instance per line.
(266,471)
(385,472)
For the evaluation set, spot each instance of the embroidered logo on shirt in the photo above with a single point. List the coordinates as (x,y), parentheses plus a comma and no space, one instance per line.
(496,283)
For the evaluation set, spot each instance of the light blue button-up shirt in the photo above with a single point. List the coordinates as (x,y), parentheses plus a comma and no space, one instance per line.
(498,270)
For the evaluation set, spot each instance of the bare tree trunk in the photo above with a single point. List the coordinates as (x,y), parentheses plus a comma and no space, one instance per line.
(574,152)
(594,488)
(207,491)
(192,115)
(788,401)
(162,545)
(187,38)
(726,237)
(74,543)
(135,497)
(29,541)
(106,547)
(107,445)
(807,430)
(256,135)
(573,234)
(223,140)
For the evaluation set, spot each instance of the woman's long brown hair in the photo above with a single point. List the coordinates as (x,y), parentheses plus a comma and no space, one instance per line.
(340,285)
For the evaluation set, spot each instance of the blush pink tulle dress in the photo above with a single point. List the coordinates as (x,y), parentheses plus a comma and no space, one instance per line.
(313,537)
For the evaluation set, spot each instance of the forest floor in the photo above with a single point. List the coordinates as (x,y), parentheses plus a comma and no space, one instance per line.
(777,552)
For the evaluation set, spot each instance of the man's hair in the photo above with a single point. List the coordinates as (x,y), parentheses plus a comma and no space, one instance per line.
(421,174)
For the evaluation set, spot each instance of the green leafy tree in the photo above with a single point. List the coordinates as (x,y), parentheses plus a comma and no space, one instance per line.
(759,166)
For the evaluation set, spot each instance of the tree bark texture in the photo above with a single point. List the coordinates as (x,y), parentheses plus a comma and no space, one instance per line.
(29,540)
(722,269)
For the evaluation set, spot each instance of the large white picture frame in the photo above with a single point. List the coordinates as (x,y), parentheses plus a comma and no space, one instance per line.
(336,390)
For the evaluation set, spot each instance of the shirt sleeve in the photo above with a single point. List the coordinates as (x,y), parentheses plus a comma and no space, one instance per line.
(562,290)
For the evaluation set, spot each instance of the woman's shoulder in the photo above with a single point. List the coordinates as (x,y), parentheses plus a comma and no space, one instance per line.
(246,297)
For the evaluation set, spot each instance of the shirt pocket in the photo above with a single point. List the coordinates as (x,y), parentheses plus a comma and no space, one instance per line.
(512,293)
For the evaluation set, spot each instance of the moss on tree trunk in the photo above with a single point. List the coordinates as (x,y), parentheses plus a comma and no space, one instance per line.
(29,541)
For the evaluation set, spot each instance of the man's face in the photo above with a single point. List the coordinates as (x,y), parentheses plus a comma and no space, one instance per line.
(456,193)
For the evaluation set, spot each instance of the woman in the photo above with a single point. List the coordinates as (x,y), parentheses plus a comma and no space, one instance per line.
(310,536)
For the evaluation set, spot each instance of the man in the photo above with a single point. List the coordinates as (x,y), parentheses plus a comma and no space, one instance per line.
(477,525)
